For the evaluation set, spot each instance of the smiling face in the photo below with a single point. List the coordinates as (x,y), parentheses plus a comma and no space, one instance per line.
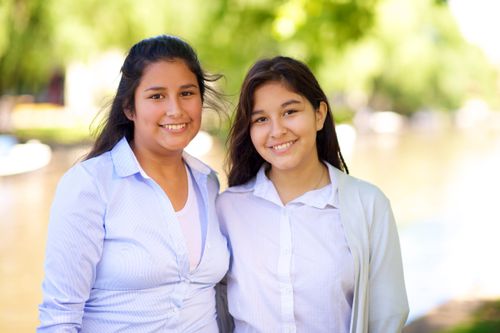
(168,107)
(283,127)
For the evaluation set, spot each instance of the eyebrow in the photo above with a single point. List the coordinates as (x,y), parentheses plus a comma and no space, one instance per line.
(284,105)
(160,88)
(289,102)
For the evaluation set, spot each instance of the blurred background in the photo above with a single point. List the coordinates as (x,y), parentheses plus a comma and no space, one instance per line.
(415,91)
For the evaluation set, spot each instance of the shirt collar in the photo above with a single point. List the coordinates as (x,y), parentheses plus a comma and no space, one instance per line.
(124,160)
(323,197)
(126,163)
(196,164)
(264,188)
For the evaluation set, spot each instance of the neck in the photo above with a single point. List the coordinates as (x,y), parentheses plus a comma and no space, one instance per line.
(291,184)
(169,172)
(159,166)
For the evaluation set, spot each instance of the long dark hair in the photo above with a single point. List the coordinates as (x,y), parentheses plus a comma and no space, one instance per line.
(163,47)
(243,161)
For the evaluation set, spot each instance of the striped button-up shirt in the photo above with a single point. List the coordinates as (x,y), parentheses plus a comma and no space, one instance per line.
(116,258)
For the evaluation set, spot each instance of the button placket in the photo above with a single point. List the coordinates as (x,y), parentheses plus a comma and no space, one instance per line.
(284,272)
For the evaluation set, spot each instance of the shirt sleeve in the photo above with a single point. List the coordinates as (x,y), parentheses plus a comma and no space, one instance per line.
(224,319)
(388,304)
(74,247)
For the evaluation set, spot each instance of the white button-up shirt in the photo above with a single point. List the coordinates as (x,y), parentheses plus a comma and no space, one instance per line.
(291,268)
(116,257)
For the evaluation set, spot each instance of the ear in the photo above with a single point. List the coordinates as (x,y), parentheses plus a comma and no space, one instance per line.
(129,114)
(321,113)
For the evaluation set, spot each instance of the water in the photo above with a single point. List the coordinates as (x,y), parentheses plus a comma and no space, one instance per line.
(24,209)
(444,192)
(443,189)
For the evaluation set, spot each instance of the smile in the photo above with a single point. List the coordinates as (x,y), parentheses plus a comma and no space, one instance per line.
(174,127)
(283,146)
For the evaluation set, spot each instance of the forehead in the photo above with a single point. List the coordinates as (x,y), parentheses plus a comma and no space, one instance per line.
(274,93)
(175,70)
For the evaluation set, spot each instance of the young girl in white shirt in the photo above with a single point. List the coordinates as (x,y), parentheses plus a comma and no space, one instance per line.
(133,241)
(312,248)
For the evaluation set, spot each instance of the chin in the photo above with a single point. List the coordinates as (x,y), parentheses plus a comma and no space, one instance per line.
(283,166)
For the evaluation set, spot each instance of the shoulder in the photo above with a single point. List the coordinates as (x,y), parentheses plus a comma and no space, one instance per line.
(87,175)
(213,181)
(97,164)
(235,193)
(226,197)
(369,209)
(365,190)
(196,164)
(238,190)
(200,169)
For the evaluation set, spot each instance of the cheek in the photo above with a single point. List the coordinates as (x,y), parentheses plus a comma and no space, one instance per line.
(255,136)
(306,126)
(196,108)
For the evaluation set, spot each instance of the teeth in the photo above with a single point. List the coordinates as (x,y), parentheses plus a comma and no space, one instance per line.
(282,146)
(174,127)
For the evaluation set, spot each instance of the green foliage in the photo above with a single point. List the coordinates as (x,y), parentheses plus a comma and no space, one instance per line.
(403,55)
(53,135)
(486,320)
(26,55)
(38,37)
(427,63)
(243,31)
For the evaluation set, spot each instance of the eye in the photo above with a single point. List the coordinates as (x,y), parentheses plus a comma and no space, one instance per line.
(289,112)
(156,96)
(259,120)
(187,93)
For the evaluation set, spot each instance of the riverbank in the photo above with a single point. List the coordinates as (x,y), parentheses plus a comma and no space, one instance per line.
(460,316)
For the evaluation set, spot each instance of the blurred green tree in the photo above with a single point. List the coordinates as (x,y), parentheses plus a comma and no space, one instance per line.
(242,31)
(26,28)
(403,55)
(425,63)
(399,55)
(39,35)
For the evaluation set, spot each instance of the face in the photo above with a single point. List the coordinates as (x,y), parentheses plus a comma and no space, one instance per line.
(168,108)
(284,126)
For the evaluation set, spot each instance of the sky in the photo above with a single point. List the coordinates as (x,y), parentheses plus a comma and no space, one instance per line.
(479,21)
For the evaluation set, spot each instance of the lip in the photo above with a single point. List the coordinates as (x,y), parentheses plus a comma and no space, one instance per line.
(179,127)
(282,147)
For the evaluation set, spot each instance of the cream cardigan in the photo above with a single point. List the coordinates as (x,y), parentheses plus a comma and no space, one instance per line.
(380,304)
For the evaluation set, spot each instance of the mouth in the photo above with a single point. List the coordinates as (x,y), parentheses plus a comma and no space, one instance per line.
(282,146)
(173,127)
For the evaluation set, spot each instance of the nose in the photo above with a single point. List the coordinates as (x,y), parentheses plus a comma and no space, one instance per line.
(173,108)
(277,129)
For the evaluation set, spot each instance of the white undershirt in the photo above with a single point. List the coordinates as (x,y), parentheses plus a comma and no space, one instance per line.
(189,219)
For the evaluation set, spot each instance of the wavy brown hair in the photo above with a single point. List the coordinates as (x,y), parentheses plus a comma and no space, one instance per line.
(243,161)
